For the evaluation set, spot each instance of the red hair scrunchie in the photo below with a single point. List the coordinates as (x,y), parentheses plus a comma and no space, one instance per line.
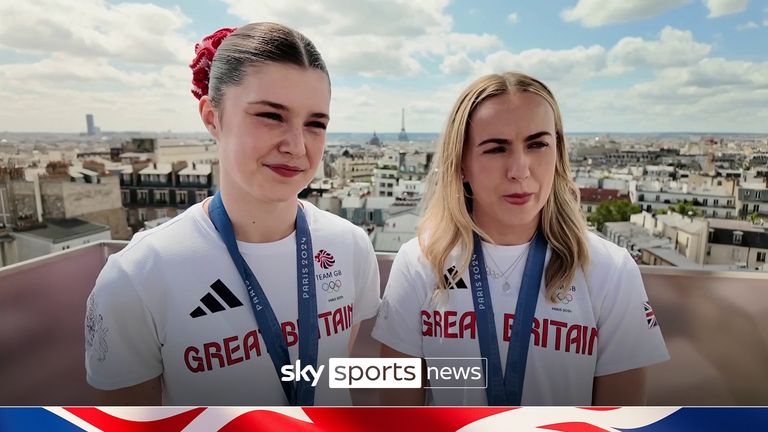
(201,64)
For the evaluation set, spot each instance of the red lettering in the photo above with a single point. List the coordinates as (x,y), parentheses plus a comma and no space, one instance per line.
(251,342)
(584,330)
(212,351)
(545,333)
(467,323)
(558,332)
(508,321)
(426,324)
(348,315)
(450,323)
(193,354)
(229,350)
(325,316)
(289,333)
(573,337)
(592,339)
(438,323)
(338,321)
(535,331)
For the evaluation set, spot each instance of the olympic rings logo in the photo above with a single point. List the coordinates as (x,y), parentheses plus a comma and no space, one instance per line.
(332,286)
(564,298)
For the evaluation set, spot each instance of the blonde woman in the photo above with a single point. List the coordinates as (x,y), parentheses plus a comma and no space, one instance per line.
(504,269)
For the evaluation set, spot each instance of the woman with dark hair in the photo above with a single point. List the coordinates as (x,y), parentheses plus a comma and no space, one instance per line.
(505,270)
(212,307)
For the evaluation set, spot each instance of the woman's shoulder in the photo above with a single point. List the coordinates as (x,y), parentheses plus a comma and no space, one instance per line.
(325,223)
(603,253)
(172,238)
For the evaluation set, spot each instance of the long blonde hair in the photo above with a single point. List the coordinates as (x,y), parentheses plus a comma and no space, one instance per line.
(447,221)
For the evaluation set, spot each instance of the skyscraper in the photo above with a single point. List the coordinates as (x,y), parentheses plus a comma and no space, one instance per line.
(89,124)
(403,136)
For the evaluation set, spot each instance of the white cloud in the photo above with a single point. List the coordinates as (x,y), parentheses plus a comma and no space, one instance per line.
(718,8)
(371,37)
(674,48)
(573,65)
(129,32)
(750,25)
(513,18)
(597,13)
(457,64)
(368,107)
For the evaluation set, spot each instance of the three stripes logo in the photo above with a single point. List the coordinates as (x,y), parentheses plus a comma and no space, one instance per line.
(450,279)
(212,304)
(325,259)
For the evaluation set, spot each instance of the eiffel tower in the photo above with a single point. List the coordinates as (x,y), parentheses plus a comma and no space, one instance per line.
(403,136)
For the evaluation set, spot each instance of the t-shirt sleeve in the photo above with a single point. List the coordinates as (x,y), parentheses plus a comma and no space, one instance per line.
(398,324)
(121,343)
(629,335)
(367,284)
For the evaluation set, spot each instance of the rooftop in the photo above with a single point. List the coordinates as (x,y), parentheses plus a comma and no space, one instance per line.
(160,168)
(197,169)
(65,230)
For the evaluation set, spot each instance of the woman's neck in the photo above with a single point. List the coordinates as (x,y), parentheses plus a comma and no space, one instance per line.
(257,221)
(503,233)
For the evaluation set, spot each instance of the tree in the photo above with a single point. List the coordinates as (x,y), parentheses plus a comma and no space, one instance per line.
(685,208)
(753,217)
(616,210)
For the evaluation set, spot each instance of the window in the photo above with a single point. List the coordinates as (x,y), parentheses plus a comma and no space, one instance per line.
(709,250)
(143,196)
(761,257)
(704,201)
(728,215)
(142,215)
(711,234)
(657,198)
(201,195)
(161,196)
(161,213)
(715,203)
(758,194)
(126,177)
(202,179)
(755,208)
(589,209)
(126,196)
(737,237)
(181,197)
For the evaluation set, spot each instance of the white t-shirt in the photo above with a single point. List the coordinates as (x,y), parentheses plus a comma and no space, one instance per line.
(172,303)
(602,324)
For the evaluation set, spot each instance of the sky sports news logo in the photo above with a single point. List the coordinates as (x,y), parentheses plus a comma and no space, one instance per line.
(392,373)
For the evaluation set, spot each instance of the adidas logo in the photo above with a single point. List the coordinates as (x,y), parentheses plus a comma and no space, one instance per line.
(450,279)
(212,303)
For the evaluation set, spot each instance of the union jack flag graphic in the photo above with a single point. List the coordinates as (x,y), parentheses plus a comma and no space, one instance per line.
(438,419)
(325,259)
(650,317)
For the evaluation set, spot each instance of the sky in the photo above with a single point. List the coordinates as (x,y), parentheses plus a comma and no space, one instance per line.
(614,65)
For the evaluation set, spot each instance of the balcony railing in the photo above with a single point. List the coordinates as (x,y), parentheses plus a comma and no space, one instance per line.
(714,324)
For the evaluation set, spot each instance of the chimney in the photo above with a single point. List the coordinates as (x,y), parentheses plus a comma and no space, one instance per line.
(154,165)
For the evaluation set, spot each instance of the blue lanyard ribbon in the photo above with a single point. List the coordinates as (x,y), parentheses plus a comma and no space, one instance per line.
(506,389)
(303,393)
